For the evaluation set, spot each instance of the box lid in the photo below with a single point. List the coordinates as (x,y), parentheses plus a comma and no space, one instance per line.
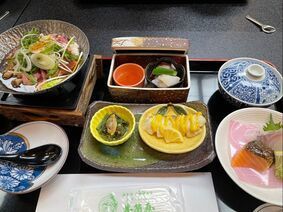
(150,44)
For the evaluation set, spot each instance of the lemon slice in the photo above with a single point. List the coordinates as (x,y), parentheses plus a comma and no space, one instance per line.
(172,135)
(155,123)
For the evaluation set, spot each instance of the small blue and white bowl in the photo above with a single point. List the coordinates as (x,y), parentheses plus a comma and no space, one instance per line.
(248,82)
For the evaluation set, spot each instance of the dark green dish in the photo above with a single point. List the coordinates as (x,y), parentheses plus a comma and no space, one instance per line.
(134,155)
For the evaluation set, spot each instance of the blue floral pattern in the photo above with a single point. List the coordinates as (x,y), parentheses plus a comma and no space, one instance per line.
(10,144)
(13,177)
(235,82)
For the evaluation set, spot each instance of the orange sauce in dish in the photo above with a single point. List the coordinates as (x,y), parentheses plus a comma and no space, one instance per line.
(129,78)
(129,74)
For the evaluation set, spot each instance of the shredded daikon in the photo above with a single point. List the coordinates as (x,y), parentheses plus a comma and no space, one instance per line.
(71,39)
(77,63)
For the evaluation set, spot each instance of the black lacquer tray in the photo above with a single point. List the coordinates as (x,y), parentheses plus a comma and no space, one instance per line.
(204,88)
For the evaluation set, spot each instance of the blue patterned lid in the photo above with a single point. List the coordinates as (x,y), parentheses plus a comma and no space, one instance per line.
(251,81)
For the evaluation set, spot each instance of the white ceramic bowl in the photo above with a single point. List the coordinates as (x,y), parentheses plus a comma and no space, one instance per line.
(222,145)
(21,179)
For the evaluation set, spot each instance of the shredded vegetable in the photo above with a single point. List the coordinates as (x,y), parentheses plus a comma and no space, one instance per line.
(41,58)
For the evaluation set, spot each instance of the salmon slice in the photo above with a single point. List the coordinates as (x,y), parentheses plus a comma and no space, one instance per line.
(244,158)
(254,155)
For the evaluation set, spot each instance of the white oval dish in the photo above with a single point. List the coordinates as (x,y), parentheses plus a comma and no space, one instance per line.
(39,133)
(247,115)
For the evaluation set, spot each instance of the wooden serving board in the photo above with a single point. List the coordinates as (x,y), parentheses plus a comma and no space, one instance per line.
(74,117)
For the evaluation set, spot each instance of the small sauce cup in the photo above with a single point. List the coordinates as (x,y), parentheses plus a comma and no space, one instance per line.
(130,75)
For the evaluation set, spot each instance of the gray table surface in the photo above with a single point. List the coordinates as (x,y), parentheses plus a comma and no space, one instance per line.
(16,8)
(214,30)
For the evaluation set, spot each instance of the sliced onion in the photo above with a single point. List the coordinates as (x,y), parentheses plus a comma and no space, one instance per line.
(72,38)
(29,65)
(16,67)
(42,61)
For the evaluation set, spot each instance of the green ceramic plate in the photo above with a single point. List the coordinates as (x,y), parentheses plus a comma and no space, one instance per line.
(134,155)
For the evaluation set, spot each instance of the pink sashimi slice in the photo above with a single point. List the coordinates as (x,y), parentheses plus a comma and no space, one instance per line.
(273,139)
(264,179)
(240,134)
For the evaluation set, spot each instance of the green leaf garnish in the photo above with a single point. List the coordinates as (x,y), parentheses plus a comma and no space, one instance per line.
(162,110)
(180,110)
(271,126)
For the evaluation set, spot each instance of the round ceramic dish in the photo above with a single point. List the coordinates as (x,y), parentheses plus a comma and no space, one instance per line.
(24,179)
(250,82)
(254,116)
(11,38)
(159,144)
(129,74)
(179,68)
(122,112)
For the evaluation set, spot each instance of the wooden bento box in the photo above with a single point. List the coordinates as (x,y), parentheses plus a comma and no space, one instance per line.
(142,51)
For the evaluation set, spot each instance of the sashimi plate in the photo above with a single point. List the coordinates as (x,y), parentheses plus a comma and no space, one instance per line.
(257,116)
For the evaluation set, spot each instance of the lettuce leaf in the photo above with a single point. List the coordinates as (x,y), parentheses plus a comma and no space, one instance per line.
(33,37)
(70,56)
(53,71)
(51,48)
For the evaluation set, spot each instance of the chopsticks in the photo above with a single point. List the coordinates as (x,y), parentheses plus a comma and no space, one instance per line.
(4,15)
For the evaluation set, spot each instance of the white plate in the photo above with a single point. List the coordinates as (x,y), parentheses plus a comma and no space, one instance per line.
(247,115)
(39,133)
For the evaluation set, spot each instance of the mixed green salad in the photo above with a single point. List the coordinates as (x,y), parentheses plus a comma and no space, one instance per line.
(40,59)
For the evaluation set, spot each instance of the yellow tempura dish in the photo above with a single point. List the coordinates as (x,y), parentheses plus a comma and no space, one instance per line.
(172,128)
